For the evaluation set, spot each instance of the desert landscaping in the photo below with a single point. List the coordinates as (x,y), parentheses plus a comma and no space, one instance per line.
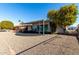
(47,44)
(58,45)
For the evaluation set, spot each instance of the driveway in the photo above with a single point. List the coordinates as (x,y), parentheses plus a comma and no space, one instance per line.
(13,44)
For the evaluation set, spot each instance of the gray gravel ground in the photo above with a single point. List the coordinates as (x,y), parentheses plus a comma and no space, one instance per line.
(59,45)
(13,44)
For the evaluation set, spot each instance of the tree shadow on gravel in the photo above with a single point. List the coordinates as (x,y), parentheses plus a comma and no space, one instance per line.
(77,37)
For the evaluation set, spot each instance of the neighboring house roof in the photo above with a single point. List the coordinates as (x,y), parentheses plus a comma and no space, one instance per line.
(71,28)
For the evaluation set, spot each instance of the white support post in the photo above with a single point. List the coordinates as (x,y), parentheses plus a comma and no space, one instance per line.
(39,27)
(43,27)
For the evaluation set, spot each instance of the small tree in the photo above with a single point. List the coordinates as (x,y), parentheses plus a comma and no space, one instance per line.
(68,14)
(63,17)
(53,18)
(6,24)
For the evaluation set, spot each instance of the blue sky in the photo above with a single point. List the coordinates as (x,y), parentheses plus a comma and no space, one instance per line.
(28,11)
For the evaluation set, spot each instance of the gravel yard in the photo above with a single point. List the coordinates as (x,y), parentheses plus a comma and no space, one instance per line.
(59,45)
(50,44)
(13,44)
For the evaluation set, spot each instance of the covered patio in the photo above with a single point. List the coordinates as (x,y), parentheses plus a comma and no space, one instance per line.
(34,27)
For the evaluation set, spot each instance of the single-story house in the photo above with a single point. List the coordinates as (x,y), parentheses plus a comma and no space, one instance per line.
(35,27)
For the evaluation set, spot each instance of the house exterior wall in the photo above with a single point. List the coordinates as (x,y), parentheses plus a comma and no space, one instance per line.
(29,28)
(37,26)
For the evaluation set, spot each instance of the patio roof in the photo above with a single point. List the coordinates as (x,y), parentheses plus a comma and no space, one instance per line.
(36,21)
